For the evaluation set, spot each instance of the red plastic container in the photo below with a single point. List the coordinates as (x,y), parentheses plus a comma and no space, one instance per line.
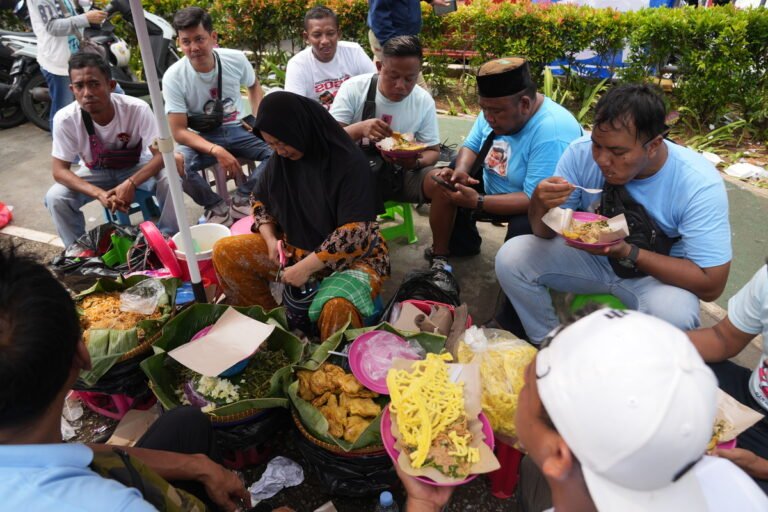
(425,307)
(114,406)
(504,480)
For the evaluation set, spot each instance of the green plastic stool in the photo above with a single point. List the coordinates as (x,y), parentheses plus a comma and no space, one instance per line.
(581,300)
(403,229)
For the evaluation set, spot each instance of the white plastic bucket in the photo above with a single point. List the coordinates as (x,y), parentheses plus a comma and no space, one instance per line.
(203,236)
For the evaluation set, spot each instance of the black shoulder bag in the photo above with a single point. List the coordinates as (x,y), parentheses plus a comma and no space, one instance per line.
(388,177)
(643,230)
(208,122)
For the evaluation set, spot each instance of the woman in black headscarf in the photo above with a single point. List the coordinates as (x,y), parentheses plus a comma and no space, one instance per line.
(316,195)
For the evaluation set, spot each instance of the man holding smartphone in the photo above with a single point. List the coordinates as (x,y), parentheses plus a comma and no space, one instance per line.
(205,113)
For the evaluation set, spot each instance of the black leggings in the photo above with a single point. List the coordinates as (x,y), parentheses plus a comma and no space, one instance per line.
(734,380)
(184,430)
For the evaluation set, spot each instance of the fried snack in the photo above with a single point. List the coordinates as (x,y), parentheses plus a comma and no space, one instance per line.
(364,407)
(429,411)
(305,392)
(339,397)
(333,414)
(587,232)
(101,310)
(502,365)
(355,426)
(721,426)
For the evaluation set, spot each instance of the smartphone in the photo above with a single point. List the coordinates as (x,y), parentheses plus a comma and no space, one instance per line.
(445,184)
(249,120)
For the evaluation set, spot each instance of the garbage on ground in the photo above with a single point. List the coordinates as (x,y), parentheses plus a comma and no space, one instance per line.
(744,170)
(281,472)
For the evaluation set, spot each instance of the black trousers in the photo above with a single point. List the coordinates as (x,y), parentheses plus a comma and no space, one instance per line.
(734,380)
(184,430)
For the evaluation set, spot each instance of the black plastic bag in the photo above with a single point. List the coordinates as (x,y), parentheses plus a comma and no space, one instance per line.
(250,444)
(80,264)
(124,378)
(436,285)
(365,475)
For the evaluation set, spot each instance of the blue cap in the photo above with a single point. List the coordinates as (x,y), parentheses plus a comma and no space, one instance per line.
(385,499)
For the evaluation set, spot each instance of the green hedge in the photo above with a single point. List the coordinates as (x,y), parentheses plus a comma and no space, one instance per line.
(721,52)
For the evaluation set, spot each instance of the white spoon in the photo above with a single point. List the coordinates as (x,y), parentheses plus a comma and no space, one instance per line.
(588,190)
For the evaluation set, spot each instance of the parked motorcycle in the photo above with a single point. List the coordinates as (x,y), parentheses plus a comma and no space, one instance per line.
(10,110)
(29,88)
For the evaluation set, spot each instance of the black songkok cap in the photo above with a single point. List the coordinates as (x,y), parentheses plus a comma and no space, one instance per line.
(503,77)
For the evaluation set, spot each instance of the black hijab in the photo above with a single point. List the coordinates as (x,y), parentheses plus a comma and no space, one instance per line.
(331,185)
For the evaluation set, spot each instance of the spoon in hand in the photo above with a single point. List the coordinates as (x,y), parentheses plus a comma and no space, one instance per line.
(588,190)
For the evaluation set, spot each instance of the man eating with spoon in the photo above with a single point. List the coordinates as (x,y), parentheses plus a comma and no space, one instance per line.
(679,247)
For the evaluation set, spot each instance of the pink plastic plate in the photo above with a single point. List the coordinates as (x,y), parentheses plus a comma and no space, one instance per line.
(162,249)
(243,226)
(371,355)
(389,445)
(589,217)
(728,445)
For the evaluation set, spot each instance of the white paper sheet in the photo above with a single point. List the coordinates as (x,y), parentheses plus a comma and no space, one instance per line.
(232,338)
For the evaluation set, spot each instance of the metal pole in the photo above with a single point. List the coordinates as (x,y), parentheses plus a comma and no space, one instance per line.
(165,145)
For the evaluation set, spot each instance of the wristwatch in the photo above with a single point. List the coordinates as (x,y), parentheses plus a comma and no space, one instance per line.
(480,202)
(631,260)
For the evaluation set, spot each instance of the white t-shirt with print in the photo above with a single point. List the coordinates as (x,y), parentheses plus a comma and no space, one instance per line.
(748,312)
(320,81)
(414,114)
(134,122)
(186,91)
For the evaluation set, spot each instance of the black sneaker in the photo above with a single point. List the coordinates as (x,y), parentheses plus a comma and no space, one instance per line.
(219,214)
(440,263)
(240,207)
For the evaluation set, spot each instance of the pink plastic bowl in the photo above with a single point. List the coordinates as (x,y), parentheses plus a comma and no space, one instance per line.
(389,445)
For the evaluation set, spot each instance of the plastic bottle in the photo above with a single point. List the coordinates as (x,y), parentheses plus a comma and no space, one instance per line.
(386,503)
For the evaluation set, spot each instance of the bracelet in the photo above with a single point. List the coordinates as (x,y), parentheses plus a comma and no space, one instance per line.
(130,178)
(210,151)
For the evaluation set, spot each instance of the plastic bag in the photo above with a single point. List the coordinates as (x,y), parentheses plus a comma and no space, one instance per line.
(436,285)
(503,359)
(143,297)
(384,348)
(365,475)
(80,264)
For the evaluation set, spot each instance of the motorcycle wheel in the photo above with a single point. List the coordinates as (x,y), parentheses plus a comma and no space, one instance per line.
(10,112)
(36,111)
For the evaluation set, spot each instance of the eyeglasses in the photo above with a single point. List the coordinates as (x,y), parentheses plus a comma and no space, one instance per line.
(663,135)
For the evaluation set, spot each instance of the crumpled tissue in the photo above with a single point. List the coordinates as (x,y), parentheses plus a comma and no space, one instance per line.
(281,472)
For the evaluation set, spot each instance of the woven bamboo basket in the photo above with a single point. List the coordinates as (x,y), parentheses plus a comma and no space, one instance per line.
(377,449)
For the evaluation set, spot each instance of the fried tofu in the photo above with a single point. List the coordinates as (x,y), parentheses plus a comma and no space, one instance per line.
(354,427)
(305,391)
(333,414)
(364,407)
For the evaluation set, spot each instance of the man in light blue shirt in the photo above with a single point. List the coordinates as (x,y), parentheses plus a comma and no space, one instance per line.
(41,356)
(679,249)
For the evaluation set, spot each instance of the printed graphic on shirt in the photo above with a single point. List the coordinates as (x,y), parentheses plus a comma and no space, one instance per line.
(230,111)
(497,158)
(326,89)
(47,13)
(124,139)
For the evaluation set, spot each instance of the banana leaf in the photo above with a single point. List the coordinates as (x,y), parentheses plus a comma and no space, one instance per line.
(107,346)
(310,416)
(184,326)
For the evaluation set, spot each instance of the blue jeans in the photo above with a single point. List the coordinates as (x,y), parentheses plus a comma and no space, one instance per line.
(528,266)
(238,141)
(58,88)
(64,204)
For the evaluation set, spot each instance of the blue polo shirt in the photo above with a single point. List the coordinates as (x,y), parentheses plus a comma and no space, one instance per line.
(57,477)
(518,162)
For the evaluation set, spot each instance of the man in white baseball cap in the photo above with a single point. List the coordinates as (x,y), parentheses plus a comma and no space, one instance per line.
(617,411)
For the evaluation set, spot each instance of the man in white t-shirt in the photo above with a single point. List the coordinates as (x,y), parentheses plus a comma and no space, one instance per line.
(191,90)
(400,106)
(617,410)
(747,317)
(318,70)
(57,27)
(112,135)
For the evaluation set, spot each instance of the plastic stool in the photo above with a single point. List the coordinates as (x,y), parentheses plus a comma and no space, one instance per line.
(405,228)
(143,201)
(504,479)
(581,300)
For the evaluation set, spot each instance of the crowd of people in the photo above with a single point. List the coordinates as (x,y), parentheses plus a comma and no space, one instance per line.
(618,407)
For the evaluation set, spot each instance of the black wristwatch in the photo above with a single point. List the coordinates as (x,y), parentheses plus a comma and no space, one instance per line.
(631,260)
(480,202)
